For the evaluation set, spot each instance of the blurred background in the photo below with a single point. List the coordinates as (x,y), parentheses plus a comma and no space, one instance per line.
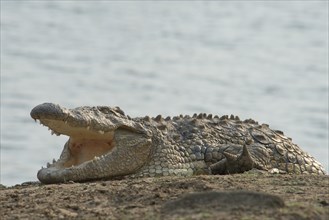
(266,60)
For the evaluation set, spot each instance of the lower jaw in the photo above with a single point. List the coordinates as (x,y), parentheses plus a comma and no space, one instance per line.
(52,175)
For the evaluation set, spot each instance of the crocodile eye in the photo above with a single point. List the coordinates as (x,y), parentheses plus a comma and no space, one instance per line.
(104,109)
(118,110)
(107,110)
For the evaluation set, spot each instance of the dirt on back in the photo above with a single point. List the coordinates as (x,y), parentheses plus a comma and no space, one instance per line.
(240,196)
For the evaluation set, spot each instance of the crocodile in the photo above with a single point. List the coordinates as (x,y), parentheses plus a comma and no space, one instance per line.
(105,143)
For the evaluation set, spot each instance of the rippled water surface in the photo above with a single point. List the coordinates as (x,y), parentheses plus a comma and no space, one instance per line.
(262,60)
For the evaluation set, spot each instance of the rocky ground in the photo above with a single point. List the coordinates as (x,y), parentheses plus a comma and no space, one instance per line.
(241,196)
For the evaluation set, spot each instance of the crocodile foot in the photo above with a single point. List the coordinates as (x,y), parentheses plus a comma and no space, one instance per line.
(233,164)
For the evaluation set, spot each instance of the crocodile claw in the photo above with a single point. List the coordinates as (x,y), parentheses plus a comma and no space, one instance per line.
(233,163)
(244,161)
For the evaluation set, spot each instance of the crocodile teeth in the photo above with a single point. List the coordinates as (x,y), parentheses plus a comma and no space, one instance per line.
(96,158)
(54,132)
(101,132)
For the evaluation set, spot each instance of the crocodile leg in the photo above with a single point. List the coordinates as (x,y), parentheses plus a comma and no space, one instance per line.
(239,159)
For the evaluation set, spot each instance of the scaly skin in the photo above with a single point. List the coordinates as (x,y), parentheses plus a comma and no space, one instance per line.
(104,143)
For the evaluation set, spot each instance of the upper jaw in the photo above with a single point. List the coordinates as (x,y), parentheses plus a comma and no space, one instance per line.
(49,111)
(62,127)
(91,120)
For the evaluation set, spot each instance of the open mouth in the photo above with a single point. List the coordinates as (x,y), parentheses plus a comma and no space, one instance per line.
(83,145)
(82,150)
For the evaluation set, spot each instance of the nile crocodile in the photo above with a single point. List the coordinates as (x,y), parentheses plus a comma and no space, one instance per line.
(105,143)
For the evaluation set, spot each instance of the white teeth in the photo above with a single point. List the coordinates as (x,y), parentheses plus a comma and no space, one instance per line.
(65,122)
(54,132)
(101,132)
(88,128)
(96,158)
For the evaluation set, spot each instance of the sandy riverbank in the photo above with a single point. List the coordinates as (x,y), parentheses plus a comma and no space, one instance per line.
(243,196)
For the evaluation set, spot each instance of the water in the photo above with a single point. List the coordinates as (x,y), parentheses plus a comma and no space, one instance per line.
(262,60)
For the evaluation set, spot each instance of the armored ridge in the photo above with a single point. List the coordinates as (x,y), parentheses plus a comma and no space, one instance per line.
(104,143)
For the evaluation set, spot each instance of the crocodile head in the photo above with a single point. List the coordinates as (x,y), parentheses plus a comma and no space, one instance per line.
(103,143)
